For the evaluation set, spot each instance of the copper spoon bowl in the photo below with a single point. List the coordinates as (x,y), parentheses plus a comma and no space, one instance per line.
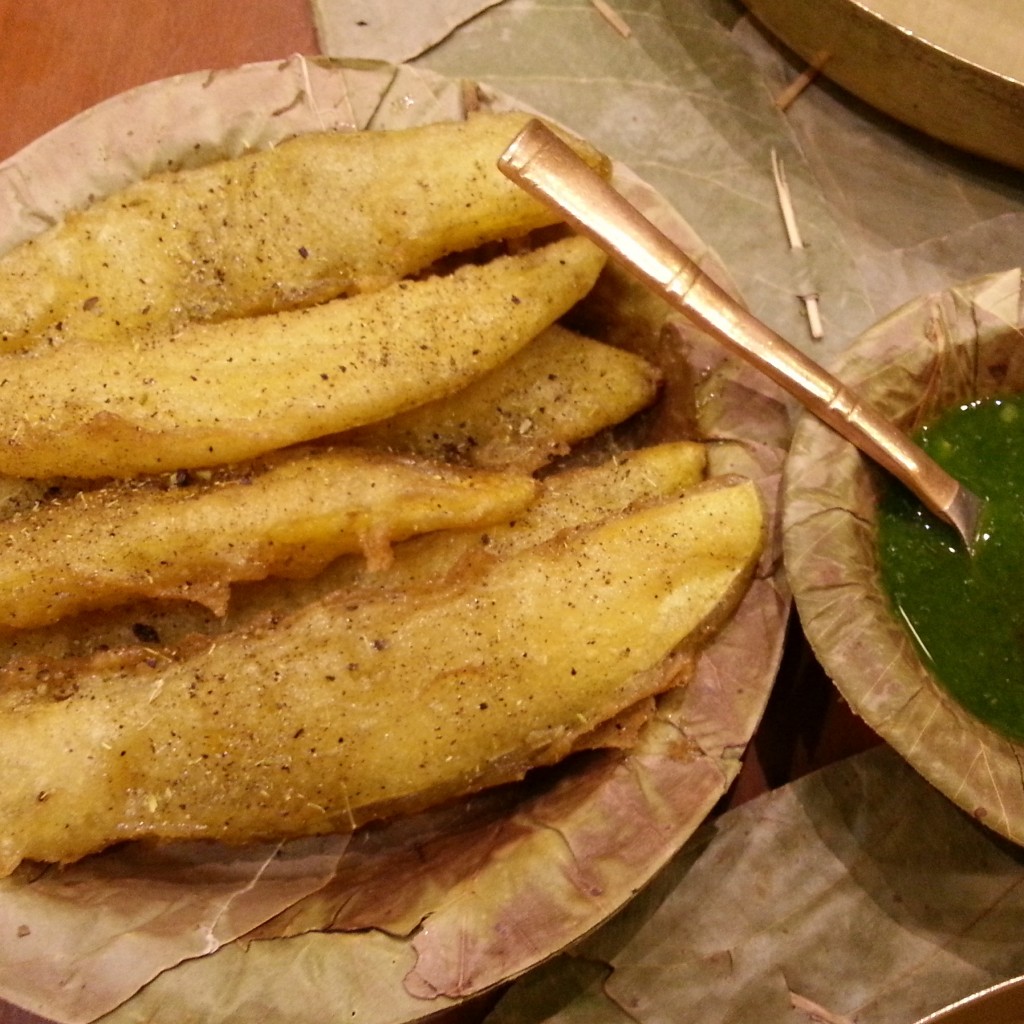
(541,163)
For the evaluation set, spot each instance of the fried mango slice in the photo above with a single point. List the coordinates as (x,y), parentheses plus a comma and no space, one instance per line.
(225,392)
(362,706)
(567,500)
(560,389)
(108,545)
(319,216)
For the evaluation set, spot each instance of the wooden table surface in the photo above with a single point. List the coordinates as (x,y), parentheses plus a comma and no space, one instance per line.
(62,56)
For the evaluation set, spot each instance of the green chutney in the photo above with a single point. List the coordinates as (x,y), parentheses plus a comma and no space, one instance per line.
(966,613)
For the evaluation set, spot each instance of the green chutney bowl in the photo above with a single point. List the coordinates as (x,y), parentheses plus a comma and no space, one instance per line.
(931,354)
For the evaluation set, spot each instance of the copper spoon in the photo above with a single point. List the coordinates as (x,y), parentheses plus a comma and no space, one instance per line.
(541,163)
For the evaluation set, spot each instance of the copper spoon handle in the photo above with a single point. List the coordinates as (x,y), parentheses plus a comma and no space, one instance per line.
(540,162)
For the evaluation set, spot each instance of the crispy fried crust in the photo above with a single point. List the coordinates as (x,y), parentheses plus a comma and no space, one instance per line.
(355,708)
(223,392)
(323,215)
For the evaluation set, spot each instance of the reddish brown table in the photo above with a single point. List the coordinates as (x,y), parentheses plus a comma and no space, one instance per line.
(60,57)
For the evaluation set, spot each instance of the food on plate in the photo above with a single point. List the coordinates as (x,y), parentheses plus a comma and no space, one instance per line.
(306,726)
(559,389)
(354,528)
(568,499)
(218,393)
(319,216)
(564,500)
(942,592)
(191,537)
